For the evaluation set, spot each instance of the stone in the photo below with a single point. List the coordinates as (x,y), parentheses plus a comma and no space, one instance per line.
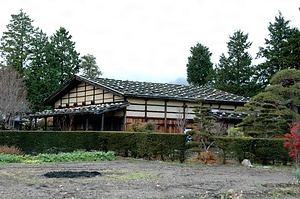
(247,163)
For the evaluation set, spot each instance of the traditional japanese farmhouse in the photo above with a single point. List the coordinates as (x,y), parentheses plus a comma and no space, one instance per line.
(109,104)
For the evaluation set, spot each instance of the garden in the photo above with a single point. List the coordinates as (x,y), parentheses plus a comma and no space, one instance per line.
(140,165)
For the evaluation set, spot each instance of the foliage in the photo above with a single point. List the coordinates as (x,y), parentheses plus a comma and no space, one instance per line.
(63,56)
(259,150)
(16,41)
(77,156)
(199,67)
(273,110)
(202,131)
(270,151)
(12,96)
(293,143)
(235,132)
(281,50)
(266,118)
(44,62)
(297,174)
(145,127)
(134,144)
(286,84)
(39,74)
(89,67)
(234,73)
(232,194)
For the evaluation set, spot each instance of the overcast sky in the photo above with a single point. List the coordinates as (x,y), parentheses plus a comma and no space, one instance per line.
(150,40)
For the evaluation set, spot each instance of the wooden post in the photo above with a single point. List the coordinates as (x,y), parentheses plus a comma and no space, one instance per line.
(87,124)
(124,122)
(146,104)
(184,118)
(45,123)
(35,123)
(165,116)
(102,122)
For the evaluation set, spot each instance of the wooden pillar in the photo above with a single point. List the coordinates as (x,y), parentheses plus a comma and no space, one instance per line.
(125,120)
(35,123)
(146,104)
(165,116)
(113,122)
(102,122)
(30,122)
(183,117)
(87,123)
(45,123)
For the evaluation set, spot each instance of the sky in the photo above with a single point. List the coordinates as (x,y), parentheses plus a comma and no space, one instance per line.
(150,40)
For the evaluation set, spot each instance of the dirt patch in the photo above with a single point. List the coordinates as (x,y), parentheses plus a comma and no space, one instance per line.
(144,179)
(72,174)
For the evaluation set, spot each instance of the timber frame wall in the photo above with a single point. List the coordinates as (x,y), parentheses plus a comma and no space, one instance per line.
(86,94)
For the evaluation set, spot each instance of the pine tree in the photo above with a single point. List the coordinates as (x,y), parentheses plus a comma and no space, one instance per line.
(39,73)
(63,57)
(272,111)
(281,50)
(16,41)
(202,132)
(199,67)
(89,67)
(234,73)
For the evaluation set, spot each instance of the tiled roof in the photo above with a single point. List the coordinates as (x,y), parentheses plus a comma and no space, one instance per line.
(221,115)
(165,90)
(90,109)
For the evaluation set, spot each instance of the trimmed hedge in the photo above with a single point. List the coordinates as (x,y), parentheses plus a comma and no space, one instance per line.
(164,146)
(259,150)
(134,144)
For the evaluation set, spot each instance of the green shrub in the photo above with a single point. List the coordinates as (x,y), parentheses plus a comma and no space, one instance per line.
(78,156)
(269,151)
(259,150)
(239,148)
(134,144)
(297,174)
(144,127)
(235,132)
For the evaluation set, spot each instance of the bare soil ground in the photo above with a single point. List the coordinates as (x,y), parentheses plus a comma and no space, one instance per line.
(145,179)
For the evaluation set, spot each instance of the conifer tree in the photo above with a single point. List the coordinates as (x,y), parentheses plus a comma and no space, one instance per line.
(16,41)
(202,132)
(234,73)
(39,73)
(199,67)
(281,50)
(272,111)
(89,67)
(63,57)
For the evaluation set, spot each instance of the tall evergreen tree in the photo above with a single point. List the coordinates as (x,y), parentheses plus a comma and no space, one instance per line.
(234,73)
(16,41)
(199,67)
(63,57)
(39,74)
(281,50)
(89,67)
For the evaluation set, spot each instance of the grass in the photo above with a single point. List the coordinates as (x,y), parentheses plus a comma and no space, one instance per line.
(77,156)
